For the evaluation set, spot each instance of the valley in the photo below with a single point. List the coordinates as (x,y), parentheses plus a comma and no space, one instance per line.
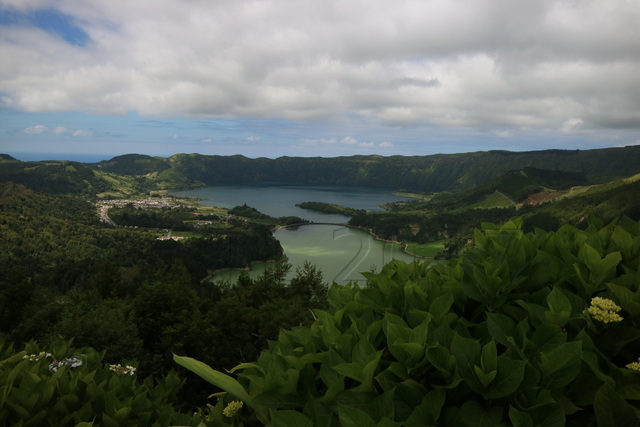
(115,286)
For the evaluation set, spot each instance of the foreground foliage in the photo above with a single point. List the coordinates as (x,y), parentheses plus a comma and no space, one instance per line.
(538,329)
(76,388)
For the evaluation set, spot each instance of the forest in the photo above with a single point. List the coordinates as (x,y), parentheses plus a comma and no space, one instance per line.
(126,292)
(504,332)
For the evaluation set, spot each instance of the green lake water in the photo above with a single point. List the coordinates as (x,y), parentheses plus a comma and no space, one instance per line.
(340,252)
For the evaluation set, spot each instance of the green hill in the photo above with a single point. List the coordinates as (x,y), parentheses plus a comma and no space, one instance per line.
(453,216)
(133,164)
(66,177)
(55,177)
(435,173)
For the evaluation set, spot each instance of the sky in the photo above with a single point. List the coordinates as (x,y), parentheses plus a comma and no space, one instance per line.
(84,79)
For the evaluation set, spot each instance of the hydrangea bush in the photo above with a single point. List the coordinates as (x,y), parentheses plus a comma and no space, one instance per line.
(66,387)
(538,329)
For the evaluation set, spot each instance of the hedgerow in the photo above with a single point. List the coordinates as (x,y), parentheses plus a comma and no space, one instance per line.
(535,329)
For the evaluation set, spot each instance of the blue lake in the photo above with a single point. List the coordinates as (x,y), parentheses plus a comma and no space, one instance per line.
(340,252)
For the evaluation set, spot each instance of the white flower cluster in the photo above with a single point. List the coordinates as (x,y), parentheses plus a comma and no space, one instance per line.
(634,365)
(72,362)
(36,357)
(604,310)
(123,370)
(232,408)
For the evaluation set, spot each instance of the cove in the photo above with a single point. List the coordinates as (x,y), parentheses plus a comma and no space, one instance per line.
(340,252)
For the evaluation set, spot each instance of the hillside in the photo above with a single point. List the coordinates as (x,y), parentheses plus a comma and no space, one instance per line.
(434,173)
(510,189)
(65,177)
(452,217)
(133,164)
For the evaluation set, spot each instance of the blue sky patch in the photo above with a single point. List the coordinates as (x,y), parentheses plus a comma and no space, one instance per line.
(50,20)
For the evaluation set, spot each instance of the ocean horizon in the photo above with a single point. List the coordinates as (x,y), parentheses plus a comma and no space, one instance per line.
(76,157)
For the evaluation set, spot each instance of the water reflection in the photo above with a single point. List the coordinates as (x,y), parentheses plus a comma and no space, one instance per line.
(341,253)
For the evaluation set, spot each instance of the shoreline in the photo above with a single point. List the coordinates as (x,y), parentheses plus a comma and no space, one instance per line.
(405,245)
(245,268)
(248,267)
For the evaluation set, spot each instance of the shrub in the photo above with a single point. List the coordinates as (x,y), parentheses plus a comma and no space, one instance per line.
(66,387)
(537,329)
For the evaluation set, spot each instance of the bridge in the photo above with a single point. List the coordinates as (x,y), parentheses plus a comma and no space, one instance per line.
(298,224)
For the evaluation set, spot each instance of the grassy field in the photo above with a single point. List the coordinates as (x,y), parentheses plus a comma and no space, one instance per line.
(494,200)
(428,250)
(418,196)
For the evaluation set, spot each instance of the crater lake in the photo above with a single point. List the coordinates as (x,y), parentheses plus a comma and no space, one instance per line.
(340,252)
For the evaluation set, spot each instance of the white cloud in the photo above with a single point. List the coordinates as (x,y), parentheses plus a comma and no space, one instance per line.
(37,129)
(314,142)
(347,141)
(253,138)
(504,133)
(572,125)
(488,64)
(206,140)
(40,129)
(81,132)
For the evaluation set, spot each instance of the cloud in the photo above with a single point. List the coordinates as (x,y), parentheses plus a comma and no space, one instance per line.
(347,141)
(41,129)
(419,82)
(572,125)
(321,141)
(206,140)
(504,133)
(350,141)
(37,129)
(253,138)
(487,64)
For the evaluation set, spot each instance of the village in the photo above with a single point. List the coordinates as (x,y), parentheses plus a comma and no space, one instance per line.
(103,207)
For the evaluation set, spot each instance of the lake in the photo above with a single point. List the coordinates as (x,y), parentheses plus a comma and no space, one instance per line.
(340,252)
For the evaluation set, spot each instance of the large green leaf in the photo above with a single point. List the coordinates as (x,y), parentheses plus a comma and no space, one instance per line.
(289,418)
(612,410)
(428,412)
(509,377)
(600,268)
(476,415)
(489,358)
(501,327)
(441,305)
(223,381)
(559,307)
(628,300)
(623,239)
(354,417)
(561,365)
(350,370)
(519,418)
(467,354)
